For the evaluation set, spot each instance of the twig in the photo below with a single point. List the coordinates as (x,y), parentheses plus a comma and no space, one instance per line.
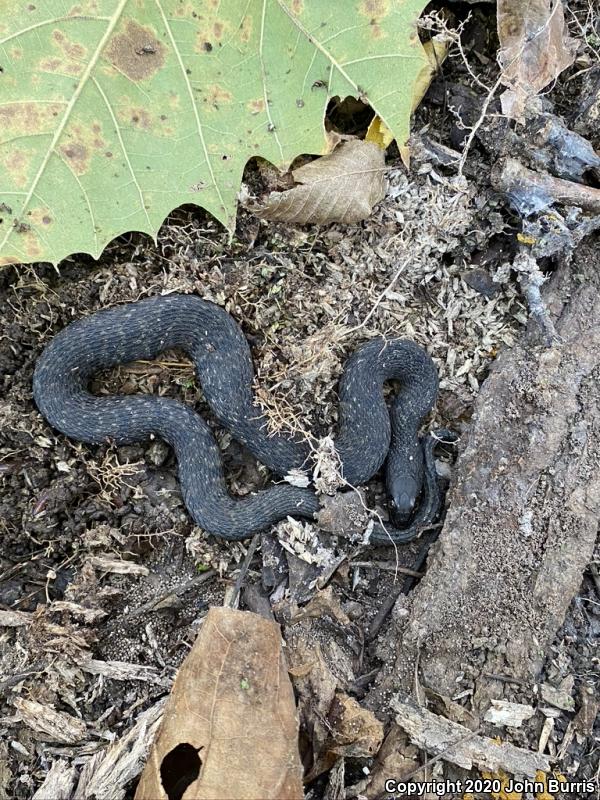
(387,566)
(427,541)
(473,130)
(383,612)
(504,678)
(233,602)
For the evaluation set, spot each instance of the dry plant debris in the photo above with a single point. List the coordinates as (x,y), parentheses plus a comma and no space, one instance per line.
(461,746)
(50,725)
(230,727)
(341,187)
(337,726)
(534,49)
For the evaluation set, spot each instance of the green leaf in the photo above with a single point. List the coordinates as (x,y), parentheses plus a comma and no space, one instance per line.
(114,112)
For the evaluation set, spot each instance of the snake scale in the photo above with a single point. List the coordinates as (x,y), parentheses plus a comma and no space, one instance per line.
(369,433)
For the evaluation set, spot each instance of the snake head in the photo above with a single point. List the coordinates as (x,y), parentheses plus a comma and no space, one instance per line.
(404,490)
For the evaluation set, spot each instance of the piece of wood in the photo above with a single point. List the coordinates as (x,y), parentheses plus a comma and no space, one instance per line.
(523,511)
(509,176)
(461,746)
(111,770)
(58,783)
(230,728)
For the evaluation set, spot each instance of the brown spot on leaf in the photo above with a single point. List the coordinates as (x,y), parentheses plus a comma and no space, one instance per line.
(218,95)
(50,64)
(80,141)
(23,118)
(75,50)
(77,156)
(6,260)
(17,163)
(71,59)
(138,117)
(376,30)
(246,29)
(218,29)
(256,106)
(297,7)
(374,9)
(39,216)
(32,245)
(136,52)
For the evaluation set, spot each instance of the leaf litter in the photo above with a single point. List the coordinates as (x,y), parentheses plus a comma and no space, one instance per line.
(302,297)
(305,298)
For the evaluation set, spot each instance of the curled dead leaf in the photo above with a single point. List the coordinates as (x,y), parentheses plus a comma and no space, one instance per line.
(534,49)
(341,187)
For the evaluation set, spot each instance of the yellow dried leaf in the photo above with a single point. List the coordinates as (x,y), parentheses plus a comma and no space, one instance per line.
(379,133)
(436,50)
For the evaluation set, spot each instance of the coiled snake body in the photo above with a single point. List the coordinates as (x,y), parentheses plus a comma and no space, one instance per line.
(367,431)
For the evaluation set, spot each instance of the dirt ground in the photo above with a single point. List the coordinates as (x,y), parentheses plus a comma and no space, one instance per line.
(105,528)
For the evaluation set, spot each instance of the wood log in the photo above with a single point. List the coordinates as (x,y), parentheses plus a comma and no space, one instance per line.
(523,510)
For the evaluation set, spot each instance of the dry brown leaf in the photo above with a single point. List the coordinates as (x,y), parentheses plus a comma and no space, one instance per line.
(337,725)
(350,731)
(230,727)
(341,187)
(356,732)
(51,725)
(534,49)
(396,757)
(324,603)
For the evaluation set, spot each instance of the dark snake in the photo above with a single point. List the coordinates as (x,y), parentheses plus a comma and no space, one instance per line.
(368,432)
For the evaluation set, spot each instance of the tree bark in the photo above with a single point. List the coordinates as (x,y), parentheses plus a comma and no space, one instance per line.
(523,511)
